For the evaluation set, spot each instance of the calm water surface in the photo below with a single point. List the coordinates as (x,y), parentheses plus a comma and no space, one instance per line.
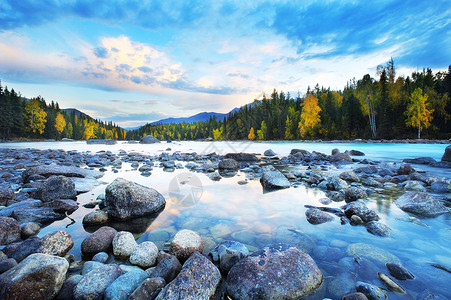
(226,210)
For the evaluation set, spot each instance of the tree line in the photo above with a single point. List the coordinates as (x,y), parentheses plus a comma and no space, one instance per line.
(387,107)
(35,119)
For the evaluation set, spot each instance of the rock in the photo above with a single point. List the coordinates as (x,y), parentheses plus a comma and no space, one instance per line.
(228,164)
(123,244)
(302,152)
(185,243)
(168,267)
(148,139)
(67,290)
(349,176)
(101,142)
(9,230)
(215,176)
(274,180)
(398,271)
(198,277)
(447,155)
(335,151)
(62,205)
(101,257)
(276,272)
(339,285)
(372,292)
(355,296)
(356,153)
(377,228)
(335,196)
(90,265)
(390,283)
(22,250)
(269,153)
(56,187)
(371,252)
(125,284)
(354,193)
(97,217)
(340,156)
(7,195)
(99,241)
(49,170)
(337,184)
(227,254)
(149,289)
(125,200)
(84,185)
(359,208)
(144,255)
(440,187)
(242,156)
(3,256)
(413,185)
(405,170)
(315,216)
(39,276)
(373,183)
(355,220)
(366,170)
(57,243)
(94,283)
(41,215)
(7,264)
(421,204)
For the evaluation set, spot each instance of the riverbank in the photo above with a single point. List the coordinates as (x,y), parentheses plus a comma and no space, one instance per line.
(348,183)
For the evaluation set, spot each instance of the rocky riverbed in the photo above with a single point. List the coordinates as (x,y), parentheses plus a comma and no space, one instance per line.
(125,252)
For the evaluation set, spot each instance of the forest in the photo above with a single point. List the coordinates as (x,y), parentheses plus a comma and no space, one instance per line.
(22,118)
(386,107)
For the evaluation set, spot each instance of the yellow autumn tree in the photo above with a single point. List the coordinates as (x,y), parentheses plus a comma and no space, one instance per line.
(309,115)
(35,116)
(88,132)
(217,134)
(60,123)
(418,113)
(251,135)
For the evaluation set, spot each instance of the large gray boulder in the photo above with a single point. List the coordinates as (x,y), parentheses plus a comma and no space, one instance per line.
(279,271)
(57,243)
(421,204)
(9,230)
(340,156)
(56,187)
(274,179)
(41,215)
(99,241)
(126,200)
(198,277)
(228,164)
(148,139)
(447,155)
(7,195)
(94,284)
(68,171)
(39,276)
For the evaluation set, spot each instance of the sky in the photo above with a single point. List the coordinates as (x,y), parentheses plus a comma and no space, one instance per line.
(137,61)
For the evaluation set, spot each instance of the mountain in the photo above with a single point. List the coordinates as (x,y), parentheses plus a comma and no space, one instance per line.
(200,117)
(76,111)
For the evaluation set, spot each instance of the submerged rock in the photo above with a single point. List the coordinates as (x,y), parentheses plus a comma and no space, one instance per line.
(377,228)
(372,292)
(125,200)
(421,204)
(315,216)
(39,276)
(398,271)
(372,252)
(279,271)
(198,277)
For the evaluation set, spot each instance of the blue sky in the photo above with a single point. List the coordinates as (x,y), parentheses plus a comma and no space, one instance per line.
(136,61)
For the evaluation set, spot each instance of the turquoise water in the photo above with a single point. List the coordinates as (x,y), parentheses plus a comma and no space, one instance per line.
(227,210)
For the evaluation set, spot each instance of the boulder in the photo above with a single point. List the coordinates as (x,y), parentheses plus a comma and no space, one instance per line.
(349,176)
(68,171)
(99,241)
(126,200)
(335,151)
(340,156)
(228,164)
(421,204)
(41,215)
(419,160)
(57,243)
(269,153)
(62,205)
(56,187)
(215,176)
(274,180)
(440,187)
(366,170)
(355,296)
(242,156)
(413,185)
(354,193)
(144,255)
(97,217)
(149,289)
(371,252)
(227,253)
(94,283)
(198,277)
(359,208)
(29,229)
(406,169)
(123,244)
(101,257)
(125,285)
(377,228)
(148,139)
(447,155)
(300,152)
(315,216)
(67,290)
(9,210)
(356,153)
(20,251)
(101,142)
(39,276)
(279,271)
(337,184)
(168,267)
(7,195)
(372,292)
(185,243)
(9,230)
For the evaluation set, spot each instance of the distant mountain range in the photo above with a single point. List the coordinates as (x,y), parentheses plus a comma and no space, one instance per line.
(200,117)
(76,111)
